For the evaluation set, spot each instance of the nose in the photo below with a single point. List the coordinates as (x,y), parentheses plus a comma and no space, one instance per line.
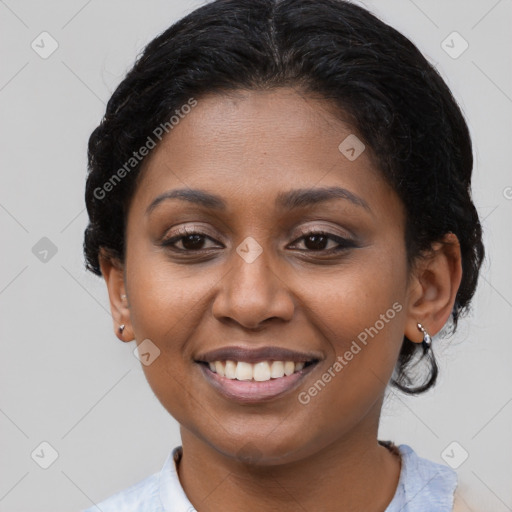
(253,294)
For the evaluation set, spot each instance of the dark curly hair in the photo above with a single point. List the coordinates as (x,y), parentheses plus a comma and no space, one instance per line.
(395,101)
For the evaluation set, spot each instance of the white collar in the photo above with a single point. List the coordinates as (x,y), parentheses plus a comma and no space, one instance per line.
(419,478)
(172,495)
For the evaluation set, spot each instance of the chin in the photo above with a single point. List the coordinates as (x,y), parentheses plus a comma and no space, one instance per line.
(261,450)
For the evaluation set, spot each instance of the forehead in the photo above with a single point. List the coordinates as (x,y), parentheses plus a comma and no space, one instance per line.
(253,145)
(253,125)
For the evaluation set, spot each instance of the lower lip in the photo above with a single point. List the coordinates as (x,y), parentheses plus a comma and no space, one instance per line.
(250,391)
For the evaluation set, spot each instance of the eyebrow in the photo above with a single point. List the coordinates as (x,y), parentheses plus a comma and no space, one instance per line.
(292,199)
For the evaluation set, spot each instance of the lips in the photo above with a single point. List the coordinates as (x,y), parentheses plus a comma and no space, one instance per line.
(256,355)
(251,375)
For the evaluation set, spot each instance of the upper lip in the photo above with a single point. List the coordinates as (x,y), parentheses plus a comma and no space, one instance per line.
(255,355)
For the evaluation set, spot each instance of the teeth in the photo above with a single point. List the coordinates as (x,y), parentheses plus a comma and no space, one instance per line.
(289,367)
(277,369)
(230,370)
(243,371)
(259,372)
(219,368)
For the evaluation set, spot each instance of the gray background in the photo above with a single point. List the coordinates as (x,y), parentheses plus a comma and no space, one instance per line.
(65,378)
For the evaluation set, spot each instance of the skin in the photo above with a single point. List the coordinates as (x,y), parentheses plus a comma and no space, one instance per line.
(247,147)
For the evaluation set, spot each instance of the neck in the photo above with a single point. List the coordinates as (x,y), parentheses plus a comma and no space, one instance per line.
(350,475)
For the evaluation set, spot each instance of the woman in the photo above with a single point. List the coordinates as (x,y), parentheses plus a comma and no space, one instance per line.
(279,202)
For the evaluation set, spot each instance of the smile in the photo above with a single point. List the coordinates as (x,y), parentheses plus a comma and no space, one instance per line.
(258,372)
(253,375)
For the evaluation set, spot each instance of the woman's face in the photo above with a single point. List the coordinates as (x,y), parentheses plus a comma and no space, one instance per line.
(260,174)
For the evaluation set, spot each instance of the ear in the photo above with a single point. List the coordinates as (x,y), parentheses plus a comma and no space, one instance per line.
(433,287)
(113,273)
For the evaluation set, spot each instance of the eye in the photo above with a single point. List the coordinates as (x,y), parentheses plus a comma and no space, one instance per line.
(318,241)
(190,240)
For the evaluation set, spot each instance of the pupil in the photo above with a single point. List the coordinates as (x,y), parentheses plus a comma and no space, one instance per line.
(318,242)
(192,242)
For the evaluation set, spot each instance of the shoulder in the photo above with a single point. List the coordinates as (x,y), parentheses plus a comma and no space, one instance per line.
(159,492)
(430,483)
(423,484)
(422,473)
(140,497)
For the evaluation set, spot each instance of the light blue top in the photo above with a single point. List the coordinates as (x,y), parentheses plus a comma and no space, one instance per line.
(423,486)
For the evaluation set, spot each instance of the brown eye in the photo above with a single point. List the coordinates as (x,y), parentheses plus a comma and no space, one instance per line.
(319,241)
(187,240)
(192,242)
(316,242)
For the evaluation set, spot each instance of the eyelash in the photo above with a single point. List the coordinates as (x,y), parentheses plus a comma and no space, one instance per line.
(343,243)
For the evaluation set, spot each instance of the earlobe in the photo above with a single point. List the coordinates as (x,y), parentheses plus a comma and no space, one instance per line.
(434,288)
(113,273)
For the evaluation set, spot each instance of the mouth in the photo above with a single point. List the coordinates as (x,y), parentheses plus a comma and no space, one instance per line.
(253,375)
(257,372)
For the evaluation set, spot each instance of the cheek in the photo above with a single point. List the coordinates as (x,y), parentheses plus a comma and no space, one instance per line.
(166,302)
(353,298)
(360,311)
(165,298)
(166,305)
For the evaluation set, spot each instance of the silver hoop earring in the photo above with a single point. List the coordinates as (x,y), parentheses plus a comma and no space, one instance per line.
(427,340)
(121,328)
